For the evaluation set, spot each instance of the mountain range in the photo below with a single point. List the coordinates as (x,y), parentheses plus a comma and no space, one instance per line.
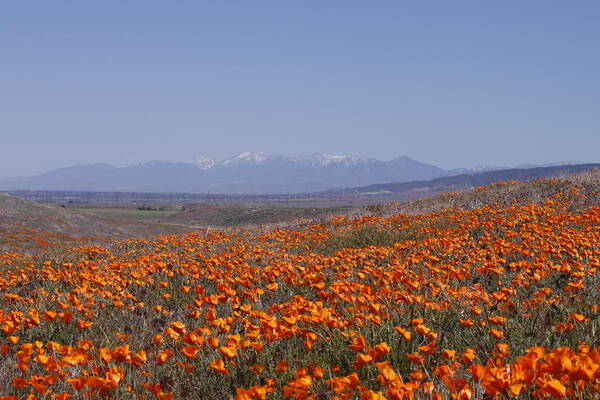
(245,173)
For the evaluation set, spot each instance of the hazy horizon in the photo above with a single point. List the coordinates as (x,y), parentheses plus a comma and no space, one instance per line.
(449,84)
(122,165)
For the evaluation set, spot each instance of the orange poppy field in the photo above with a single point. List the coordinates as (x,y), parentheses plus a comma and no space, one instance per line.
(498,302)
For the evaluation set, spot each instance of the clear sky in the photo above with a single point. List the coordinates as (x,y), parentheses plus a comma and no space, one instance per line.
(452,83)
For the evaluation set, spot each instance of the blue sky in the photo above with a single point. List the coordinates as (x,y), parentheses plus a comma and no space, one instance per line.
(450,83)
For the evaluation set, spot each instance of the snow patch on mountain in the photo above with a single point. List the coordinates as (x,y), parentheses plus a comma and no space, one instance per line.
(247,157)
(203,162)
(326,159)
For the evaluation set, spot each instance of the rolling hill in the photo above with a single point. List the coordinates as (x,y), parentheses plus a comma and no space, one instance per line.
(583,188)
(26,225)
(461,182)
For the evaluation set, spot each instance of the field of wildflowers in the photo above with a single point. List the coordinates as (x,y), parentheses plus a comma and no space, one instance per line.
(501,302)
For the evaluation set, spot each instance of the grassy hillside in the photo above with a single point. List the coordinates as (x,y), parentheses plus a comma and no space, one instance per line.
(214,215)
(487,300)
(146,213)
(245,215)
(33,225)
(582,188)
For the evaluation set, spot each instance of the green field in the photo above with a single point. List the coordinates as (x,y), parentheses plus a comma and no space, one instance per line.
(212,215)
(128,212)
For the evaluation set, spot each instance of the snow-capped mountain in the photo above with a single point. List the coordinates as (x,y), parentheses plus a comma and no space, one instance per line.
(262,158)
(248,172)
(244,173)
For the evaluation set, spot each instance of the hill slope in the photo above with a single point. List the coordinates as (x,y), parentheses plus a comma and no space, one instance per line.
(249,215)
(583,189)
(25,225)
(462,182)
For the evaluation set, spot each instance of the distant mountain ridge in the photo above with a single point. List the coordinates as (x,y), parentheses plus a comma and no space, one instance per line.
(463,181)
(244,173)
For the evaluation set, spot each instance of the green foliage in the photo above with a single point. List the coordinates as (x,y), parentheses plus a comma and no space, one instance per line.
(363,237)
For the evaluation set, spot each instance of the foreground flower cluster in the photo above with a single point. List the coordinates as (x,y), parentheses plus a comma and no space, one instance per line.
(498,302)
